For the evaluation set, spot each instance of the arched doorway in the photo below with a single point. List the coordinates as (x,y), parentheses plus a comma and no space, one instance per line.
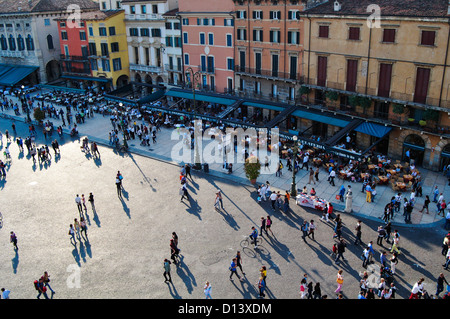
(445,157)
(52,70)
(148,80)
(122,81)
(159,80)
(137,77)
(415,146)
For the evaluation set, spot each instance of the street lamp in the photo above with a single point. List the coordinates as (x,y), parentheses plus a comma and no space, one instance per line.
(194,79)
(26,105)
(295,149)
(125,143)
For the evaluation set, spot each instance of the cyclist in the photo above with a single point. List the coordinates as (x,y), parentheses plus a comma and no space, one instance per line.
(254,235)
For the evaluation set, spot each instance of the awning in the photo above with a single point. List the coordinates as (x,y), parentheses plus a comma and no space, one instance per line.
(200,97)
(11,75)
(152,97)
(373,129)
(320,118)
(264,106)
(86,78)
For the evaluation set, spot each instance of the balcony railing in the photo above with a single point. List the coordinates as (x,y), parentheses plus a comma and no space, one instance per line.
(73,58)
(16,54)
(257,72)
(140,17)
(206,69)
(145,68)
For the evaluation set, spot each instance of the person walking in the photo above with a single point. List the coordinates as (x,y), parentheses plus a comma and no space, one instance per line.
(91,200)
(261,287)
(13,240)
(417,289)
(39,285)
(358,233)
(173,251)
(339,281)
(79,205)
(254,236)
(239,261)
(119,187)
(340,250)
(233,271)
(5,293)
(263,226)
(219,199)
(207,290)
(316,174)
(394,262)
(184,192)
(311,176)
(425,204)
(83,227)
(331,177)
(46,279)
(269,225)
(83,201)
(72,233)
(303,289)
(381,234)
(166,274)
(305,228)
(395,242)
(317,292)
(365,255)
(312,228)
(388,230)
(341,193)
(440,284)
(76,224)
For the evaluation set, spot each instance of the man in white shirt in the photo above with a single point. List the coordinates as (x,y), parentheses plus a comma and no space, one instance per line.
(332,176)
(273,199)
(416,289)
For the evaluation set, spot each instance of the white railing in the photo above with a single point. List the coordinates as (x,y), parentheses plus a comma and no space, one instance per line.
(145,68)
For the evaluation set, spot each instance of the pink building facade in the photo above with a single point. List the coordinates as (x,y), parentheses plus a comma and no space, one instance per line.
(207,33)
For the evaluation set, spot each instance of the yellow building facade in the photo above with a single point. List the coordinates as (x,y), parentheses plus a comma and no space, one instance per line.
(108,47)
(392,70)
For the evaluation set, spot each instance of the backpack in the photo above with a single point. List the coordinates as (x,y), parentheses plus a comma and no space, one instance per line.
(36,285)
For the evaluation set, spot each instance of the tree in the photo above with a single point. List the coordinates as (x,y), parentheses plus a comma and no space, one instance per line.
(38,114)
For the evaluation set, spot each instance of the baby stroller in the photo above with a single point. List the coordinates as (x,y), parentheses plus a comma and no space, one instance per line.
(387,274)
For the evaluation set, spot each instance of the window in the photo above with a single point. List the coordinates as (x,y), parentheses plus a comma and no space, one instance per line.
(323,31)
(92,48)
(104,49)
(422,83)
(118,5)
(275,15)
(353,33)
(389,35)
(211,38)
(145,32)
(257,15)
(156,33)
(177,42)
(143,9)
(169,42)
(202,38)
(94,65)
(241,34)
(29,43)
(384,81)
(105,65)
(210,64)
(293,15)
(293,67)
(82,35)
(352,74)
(241,14)
(117,64)
(49,42)
(62,24)
(84,51)
(228,22)
(274,64)
(185,37)
(115,47)
(205,21)
(258,35)
(186,59)
(132,9)
(102,31)
(230,64)
(63,35)
(91,31)
(168,26)
(133,32)
(103,5)
(155,8)
(176,26)
(293,37)
(322,70)
(4,43)
(185,21)
(112,30)
(274,36)
(46,21)
(229,40)
(428,38)
(20,43)
(203,63)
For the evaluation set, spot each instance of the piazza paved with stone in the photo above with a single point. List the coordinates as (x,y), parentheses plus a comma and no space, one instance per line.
(129,238)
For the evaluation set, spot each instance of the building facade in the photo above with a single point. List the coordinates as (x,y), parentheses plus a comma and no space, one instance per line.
(393,70)
(208,44)
(29,35)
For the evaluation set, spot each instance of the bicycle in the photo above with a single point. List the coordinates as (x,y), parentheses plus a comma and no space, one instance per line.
(247,241)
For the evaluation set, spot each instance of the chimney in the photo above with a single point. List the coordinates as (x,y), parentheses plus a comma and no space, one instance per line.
(337,6)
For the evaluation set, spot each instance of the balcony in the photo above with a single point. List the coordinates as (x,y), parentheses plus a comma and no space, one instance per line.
(16,54)
(206,69)
(143,17)
(73,58)
(145,68)
(269,74)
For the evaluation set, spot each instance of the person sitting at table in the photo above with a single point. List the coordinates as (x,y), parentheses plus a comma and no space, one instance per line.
(312,192)
(305,190)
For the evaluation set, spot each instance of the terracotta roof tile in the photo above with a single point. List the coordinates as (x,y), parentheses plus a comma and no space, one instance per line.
(12,6)
(416,8)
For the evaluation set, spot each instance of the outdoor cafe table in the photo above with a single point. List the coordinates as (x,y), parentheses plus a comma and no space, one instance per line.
(371,166)
(401,185)
(407,178)
(392,171)
(383,179)
(365,175)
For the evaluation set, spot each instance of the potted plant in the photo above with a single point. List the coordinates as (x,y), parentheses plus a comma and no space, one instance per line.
(422,123)
(252,168)
(332,96)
